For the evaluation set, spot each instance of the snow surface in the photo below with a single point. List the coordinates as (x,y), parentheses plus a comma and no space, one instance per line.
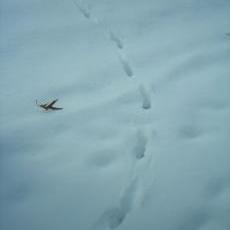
(143,140)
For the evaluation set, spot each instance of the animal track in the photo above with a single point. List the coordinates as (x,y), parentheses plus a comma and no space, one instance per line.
(146,103)
(84,10)
(113,217)
(140,147)
(112,36)
(116,40)
(126,66)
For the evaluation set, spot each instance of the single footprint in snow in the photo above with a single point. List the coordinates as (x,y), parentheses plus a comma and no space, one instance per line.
(140,146)
(126,66)
(84,10)
(146,102)
(116,40)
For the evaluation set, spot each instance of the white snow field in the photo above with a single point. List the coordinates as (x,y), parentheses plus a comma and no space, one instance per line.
(143,141)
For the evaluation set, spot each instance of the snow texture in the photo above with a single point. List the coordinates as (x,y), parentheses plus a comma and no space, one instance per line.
(143,139)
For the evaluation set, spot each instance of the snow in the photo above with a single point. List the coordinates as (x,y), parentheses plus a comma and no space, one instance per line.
(143,139)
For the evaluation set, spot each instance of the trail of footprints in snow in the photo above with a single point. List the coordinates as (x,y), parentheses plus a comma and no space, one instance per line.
(85,11)
(114,217)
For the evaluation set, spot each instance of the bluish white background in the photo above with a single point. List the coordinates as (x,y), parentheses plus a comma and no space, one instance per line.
(143,140)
